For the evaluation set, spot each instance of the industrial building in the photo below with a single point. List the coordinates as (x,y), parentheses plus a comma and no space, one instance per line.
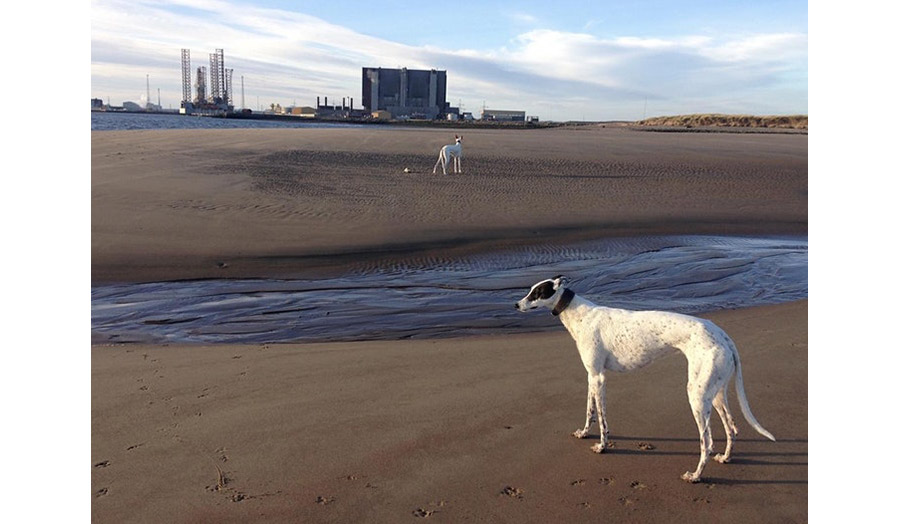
(219,98)
(405,93)
(500,115)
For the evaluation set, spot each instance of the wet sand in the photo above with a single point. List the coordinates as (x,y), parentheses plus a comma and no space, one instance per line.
(470,429)
(257,202)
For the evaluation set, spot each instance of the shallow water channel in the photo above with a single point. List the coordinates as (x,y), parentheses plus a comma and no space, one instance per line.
(443,298)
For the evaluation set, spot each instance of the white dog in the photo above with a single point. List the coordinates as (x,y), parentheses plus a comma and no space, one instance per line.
(621,340)
(450,151)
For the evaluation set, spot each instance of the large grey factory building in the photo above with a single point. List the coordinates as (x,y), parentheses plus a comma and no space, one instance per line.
(405,93)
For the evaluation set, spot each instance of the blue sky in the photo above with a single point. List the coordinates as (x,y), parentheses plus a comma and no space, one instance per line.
(565,60)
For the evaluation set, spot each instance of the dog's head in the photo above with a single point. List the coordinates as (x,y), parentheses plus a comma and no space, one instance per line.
(458,139)
(543,294)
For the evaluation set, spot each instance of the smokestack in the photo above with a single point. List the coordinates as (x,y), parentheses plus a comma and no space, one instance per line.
(343,103)
(351,103)
(317,103)
(326,101)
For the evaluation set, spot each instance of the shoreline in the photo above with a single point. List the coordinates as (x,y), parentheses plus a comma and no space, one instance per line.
(461,125)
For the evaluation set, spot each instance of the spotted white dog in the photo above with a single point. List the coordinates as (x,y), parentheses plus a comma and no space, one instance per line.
(611,339)
(453,151)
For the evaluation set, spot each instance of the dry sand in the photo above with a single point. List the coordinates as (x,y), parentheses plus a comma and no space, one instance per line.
(467,429)
(471,429)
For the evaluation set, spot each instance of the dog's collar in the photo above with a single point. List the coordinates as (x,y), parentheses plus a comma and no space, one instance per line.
(563,302)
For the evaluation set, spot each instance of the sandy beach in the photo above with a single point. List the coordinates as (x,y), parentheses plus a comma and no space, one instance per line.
(458,429)
(257,202)
(473,429)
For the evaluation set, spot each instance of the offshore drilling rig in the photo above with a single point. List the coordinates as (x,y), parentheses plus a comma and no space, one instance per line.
(198,101)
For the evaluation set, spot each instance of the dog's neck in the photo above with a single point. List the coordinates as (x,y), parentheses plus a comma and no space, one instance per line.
(563,302)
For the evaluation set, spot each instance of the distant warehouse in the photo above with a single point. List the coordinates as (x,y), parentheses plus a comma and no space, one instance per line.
(500,115)
(405,93)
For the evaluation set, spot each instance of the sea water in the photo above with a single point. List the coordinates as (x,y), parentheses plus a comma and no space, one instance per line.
(119,121)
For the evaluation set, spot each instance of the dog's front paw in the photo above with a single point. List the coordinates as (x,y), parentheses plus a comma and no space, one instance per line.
(598,448)
(580,433)
(721,458)
(690,477)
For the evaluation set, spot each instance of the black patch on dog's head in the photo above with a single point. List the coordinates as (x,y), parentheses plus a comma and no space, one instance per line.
(542,292)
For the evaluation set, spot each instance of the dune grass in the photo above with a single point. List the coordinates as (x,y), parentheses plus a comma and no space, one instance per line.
(719,120)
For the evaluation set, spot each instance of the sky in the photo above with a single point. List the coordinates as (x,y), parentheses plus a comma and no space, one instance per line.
(561,60)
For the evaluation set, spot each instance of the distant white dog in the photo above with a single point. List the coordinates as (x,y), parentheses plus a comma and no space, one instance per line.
(620,340)
(453,151)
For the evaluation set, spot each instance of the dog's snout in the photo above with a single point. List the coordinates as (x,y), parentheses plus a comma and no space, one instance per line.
(516,305)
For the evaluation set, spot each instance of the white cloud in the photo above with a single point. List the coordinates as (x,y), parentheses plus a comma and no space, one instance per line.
(287,56)
(523,18)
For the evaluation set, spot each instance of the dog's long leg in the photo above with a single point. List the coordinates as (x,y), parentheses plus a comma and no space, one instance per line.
(601,406)
(720,402)
(598,389)
(702,410)
(439,160)
(701,388)
(591,415)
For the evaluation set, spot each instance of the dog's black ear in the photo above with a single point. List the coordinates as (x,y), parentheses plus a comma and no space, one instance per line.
(559,280)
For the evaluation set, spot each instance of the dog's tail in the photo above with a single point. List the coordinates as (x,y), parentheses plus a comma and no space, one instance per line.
(742,397)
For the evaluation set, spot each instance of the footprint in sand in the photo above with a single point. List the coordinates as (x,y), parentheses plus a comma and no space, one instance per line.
(101,492)
(646,446)
(512,492)
(606,481)
(578,482)
(424,513)
(637,484)
(324,500)
(102,464)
